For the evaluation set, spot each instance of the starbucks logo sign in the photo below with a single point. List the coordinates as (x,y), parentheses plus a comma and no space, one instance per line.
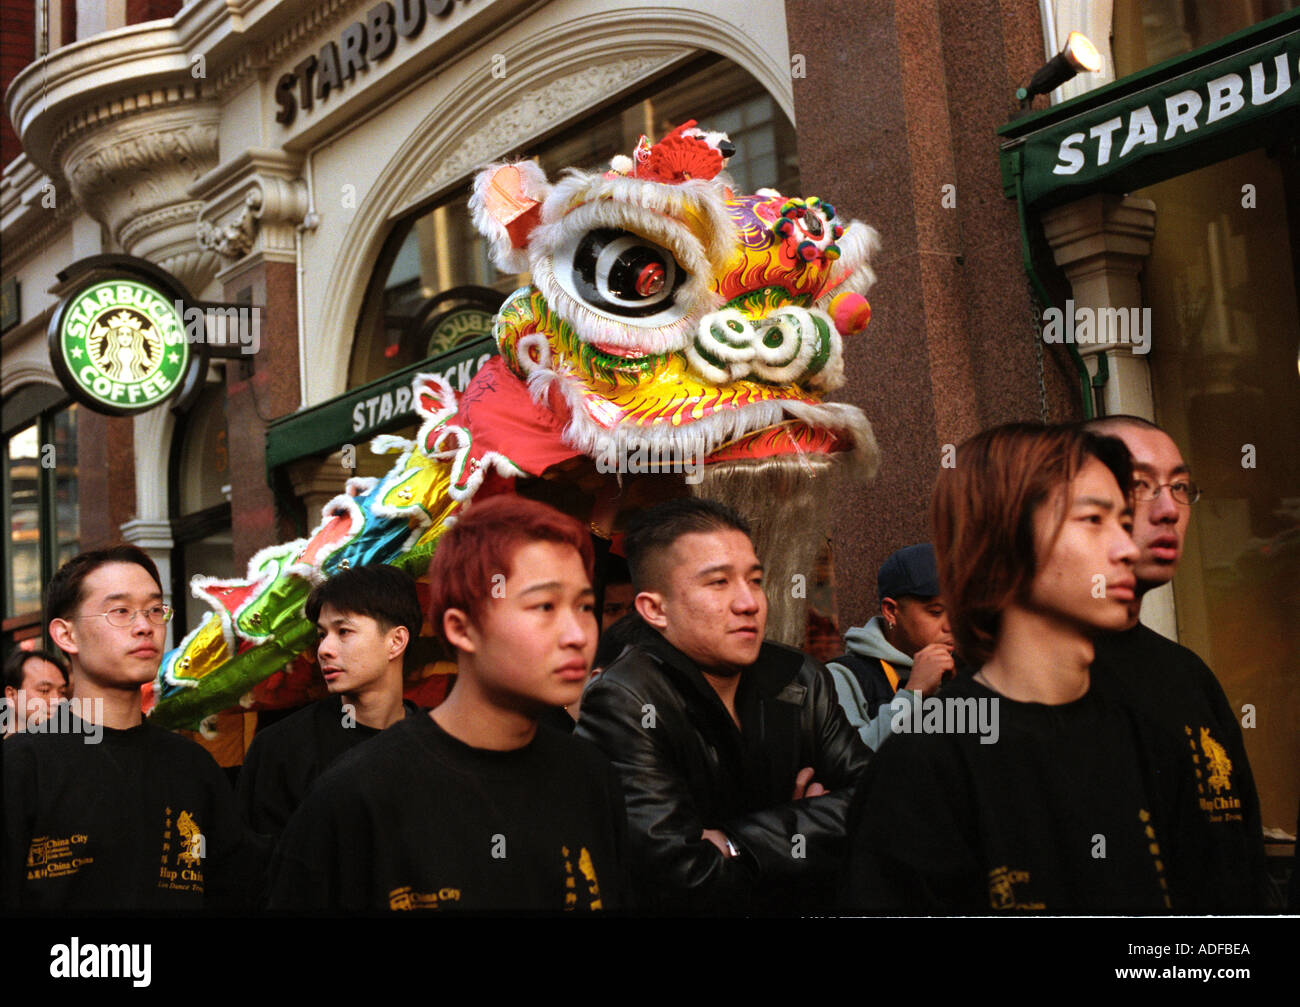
(119,345)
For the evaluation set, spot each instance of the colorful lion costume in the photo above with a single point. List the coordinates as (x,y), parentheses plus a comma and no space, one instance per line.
(675,333)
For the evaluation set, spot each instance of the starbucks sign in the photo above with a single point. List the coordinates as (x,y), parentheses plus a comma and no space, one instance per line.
(460,325)
(119,345)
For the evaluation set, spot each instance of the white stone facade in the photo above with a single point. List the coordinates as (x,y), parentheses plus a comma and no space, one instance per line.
(160,140)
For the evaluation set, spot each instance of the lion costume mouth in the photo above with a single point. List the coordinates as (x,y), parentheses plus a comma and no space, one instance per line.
(770,377)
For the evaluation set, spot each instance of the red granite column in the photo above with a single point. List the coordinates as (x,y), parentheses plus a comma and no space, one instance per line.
(896,119)
(105,476)
(253,399)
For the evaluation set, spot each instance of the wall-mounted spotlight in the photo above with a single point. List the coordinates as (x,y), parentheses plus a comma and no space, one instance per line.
(1078,54)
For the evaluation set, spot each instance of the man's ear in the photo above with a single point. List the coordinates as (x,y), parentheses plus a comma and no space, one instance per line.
(650,606)
(455,630)
(62,636)
(889,609)
(399,639)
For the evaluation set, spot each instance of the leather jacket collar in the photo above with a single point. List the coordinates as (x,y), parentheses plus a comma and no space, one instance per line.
(771,677)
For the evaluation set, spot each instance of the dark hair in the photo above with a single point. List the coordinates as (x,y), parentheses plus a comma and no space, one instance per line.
(384,593)
(983,511)
(64,592)
(615,570)
(652,532)
(626,630)
(482,544)
(13,670)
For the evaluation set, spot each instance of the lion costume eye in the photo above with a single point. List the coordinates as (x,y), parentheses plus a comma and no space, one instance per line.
(622,274)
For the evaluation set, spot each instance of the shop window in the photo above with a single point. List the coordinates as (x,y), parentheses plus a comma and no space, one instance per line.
(150,10)
(435,285)
(1221,285)
(24,504)
(1147,32)
(41,505)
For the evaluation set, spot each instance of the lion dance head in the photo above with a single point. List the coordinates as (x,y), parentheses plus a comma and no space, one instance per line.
(671,325)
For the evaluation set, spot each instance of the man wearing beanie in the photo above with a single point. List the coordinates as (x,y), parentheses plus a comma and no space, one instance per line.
(904,651)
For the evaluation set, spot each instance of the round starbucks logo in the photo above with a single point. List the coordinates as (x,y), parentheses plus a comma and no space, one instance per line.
(457,326)
(123,345)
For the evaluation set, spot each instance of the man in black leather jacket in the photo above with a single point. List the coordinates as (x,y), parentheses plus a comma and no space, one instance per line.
(737,762)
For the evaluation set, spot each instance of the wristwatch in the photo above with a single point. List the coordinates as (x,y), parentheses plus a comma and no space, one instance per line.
(731,847)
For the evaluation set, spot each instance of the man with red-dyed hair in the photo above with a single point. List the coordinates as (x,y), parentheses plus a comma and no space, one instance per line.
(474,806)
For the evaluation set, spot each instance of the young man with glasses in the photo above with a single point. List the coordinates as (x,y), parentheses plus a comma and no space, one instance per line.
(114,813)
(1220,836)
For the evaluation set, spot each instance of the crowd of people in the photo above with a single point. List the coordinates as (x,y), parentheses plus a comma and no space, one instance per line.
(1005,736)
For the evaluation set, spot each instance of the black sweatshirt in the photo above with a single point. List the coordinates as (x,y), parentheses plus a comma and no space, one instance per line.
(416,819)
(1058,815)
(142,820)
(285,759)
(1216,843)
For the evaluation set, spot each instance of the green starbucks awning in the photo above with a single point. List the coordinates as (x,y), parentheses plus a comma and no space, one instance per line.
(1167,120)
(375,408)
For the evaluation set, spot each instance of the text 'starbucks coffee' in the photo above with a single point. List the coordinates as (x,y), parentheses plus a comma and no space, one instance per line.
(123,345)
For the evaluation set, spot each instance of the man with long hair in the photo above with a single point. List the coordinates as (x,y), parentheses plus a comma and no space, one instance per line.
(1058,809)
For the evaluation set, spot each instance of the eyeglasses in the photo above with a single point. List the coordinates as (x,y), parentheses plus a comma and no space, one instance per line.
(1183,492)
(122,617)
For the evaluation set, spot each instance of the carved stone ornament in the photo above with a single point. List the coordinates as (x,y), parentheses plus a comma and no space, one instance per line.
(538,109)
(251,205)
(233,240)
(132,174)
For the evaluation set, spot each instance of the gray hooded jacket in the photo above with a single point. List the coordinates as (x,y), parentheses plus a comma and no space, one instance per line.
(869,641)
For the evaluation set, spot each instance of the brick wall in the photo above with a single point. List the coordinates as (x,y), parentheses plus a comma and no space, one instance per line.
(150,10)
(17,49)
(105,476)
